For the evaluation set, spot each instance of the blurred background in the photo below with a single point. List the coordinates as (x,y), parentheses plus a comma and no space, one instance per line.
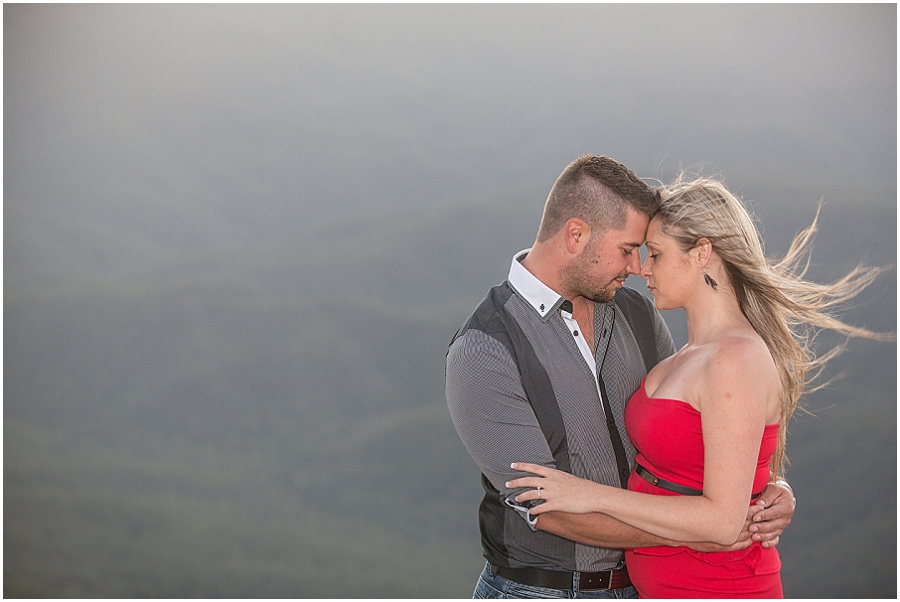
(237,240)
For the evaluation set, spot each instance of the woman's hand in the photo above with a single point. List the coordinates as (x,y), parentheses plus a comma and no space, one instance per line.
(559,490)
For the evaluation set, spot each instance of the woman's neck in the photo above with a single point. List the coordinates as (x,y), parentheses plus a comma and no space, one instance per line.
(712,315)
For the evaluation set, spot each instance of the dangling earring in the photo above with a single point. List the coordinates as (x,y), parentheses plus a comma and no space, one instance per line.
(710,281)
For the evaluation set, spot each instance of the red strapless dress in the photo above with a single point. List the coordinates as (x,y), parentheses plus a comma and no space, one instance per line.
(669,439)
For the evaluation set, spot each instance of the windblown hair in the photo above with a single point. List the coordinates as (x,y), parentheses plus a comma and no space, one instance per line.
(597,190)
(786,310)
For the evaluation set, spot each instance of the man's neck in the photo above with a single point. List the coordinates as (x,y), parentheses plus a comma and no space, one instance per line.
(540,263)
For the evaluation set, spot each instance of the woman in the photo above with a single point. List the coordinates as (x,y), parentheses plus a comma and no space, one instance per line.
(709,422)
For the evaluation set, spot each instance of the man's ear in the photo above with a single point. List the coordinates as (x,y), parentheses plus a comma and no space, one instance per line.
(577,233)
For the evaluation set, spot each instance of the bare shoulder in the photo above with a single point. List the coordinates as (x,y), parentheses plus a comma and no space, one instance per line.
(741,351)
(738,366)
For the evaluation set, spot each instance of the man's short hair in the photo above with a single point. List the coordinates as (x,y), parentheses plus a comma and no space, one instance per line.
(598,190)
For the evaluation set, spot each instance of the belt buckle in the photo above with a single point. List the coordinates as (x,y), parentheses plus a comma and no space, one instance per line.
(592,581)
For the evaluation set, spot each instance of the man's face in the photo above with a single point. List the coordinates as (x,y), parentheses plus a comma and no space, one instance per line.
(608,259)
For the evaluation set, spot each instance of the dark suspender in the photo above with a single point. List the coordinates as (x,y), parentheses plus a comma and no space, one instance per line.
(615,437)
(634,308)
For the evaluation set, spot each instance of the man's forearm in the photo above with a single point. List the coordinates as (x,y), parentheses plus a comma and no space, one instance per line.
(599,530)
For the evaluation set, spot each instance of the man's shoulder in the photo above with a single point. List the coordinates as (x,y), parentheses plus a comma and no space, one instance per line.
(641,315)
(487,316)
(627,298)
(484,337)
(638,311)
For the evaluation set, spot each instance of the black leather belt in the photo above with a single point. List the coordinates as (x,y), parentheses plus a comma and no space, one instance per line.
(682,489)
(613,579)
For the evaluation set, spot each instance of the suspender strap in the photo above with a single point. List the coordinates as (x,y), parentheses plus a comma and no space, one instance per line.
(634,306)
(616,438)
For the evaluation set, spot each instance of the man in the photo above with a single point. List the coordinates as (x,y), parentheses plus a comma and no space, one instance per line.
(541,373)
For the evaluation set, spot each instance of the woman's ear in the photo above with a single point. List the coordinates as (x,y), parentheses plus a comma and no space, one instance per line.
(703,251)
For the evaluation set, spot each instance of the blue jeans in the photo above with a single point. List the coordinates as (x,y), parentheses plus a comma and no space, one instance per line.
(491,585)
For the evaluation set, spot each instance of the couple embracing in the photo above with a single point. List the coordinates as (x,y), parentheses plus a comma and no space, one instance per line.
(614,465)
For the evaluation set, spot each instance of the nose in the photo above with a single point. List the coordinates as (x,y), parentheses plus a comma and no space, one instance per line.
(645,269)
(634,262)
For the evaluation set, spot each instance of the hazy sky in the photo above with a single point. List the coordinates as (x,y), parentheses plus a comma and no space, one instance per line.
(176,125)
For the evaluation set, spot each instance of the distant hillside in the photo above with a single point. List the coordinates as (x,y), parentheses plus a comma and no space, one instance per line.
(253,425)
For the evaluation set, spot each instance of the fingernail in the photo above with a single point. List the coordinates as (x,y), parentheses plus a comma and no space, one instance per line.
(508,484)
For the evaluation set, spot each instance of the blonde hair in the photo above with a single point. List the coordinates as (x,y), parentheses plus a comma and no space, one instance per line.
(786,310)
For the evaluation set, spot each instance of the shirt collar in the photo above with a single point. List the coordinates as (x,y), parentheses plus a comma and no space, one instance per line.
(539,295)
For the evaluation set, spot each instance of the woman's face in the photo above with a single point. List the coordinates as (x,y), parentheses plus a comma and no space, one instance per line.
(668,270)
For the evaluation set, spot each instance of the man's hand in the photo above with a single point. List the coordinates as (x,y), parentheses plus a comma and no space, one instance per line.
(774,511)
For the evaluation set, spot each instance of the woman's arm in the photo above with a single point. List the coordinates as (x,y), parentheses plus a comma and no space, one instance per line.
(734,398)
